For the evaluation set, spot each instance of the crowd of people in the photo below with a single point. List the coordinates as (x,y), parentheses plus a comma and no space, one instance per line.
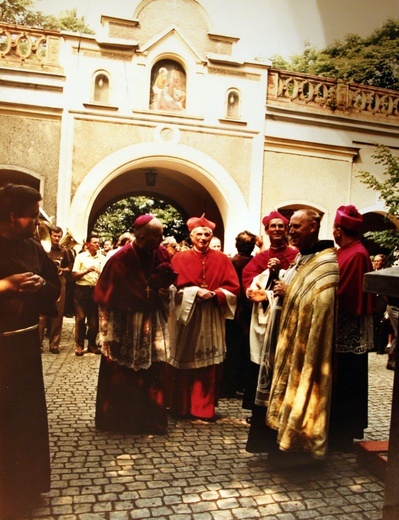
(286,328)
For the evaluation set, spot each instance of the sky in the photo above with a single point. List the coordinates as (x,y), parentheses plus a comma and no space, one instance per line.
(265,27)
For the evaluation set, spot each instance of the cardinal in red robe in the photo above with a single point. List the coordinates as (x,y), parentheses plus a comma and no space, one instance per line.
(207,290)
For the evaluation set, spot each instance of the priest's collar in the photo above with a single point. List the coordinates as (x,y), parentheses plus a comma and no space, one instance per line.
(200,252)
(319,246)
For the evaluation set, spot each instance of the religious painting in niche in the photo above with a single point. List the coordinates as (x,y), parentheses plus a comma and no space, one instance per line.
(168,86)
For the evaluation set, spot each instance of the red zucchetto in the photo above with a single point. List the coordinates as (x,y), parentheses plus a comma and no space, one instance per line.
(348,217)
(201,221)
(143,219)
(273,215)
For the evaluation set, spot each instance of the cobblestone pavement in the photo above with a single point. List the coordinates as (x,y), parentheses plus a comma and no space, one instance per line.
(198,470)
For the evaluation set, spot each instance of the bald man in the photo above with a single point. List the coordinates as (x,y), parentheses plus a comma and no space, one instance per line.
(132,293)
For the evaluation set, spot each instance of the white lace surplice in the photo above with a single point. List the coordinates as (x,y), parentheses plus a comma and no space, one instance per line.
(134,339)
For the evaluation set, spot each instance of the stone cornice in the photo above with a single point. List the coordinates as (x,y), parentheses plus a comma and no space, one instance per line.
(278,144)
(30,111)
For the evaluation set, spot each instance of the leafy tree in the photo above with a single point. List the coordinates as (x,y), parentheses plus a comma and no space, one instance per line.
(40,20)
(389,193)
(69,21)
(14,11)
(373,60)
(20,12)
(119,217)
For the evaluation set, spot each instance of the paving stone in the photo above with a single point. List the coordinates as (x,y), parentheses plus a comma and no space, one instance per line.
(140,513)
(245,513)
(119,515)
(198,471)
(313,513)
(204,506)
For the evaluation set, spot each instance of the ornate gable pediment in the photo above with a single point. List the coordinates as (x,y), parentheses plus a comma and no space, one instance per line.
(170,41)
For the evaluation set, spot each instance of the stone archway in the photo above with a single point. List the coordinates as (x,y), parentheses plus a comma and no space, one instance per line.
(375,221)
(289,207)
(20,176)
(190,179)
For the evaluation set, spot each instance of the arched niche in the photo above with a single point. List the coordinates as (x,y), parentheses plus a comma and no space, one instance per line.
(100,88)
(168,86)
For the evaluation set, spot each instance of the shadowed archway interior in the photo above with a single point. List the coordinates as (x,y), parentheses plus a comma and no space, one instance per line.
(183,192)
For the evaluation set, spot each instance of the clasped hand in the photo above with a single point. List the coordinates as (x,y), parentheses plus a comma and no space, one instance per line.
(164,292)
(23,282)
(279,288)
(257,295)
(204,294)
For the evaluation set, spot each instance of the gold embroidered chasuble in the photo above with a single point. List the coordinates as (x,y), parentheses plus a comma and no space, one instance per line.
(301,388)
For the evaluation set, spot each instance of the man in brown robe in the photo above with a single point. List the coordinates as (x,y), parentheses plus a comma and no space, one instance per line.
(29,286)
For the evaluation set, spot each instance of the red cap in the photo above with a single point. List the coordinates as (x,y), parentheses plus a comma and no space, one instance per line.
(348,217)
(272,215)
(201,221)
(143,219)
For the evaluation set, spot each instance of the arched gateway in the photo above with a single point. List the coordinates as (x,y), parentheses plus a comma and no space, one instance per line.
(192,181)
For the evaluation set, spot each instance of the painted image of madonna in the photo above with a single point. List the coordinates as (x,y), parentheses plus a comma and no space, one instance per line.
(168,86)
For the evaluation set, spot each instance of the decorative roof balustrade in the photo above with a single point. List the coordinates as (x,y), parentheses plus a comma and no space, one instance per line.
(39,50)
(316,93)
(24,47)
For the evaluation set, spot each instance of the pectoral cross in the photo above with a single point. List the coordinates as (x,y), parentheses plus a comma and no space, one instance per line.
(148,291)
(203,281)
